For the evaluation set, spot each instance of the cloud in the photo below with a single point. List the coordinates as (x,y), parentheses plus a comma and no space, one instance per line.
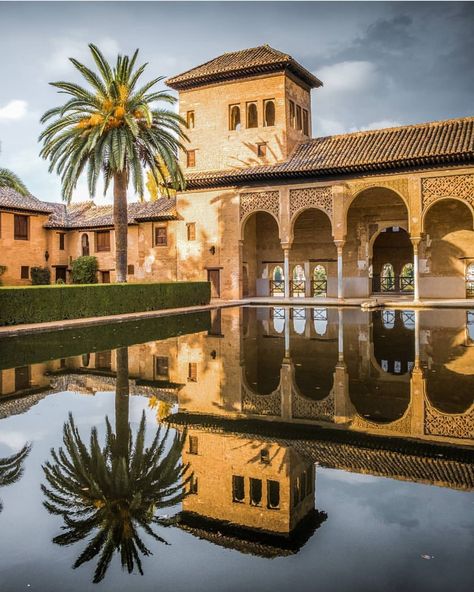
(13,110)
(348,76)
(65,48)
(376,125)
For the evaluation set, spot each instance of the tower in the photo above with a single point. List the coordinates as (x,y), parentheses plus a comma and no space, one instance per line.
(245,108)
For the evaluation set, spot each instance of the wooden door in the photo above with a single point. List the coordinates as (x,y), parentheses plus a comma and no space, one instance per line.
(214,276)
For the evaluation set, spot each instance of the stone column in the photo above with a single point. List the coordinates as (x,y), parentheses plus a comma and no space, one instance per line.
(286,270)
(340,279)
(340,336)
(416,271)
(307,276)
(241,268)
(287,332)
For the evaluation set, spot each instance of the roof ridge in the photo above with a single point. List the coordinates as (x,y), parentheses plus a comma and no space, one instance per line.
(434,123)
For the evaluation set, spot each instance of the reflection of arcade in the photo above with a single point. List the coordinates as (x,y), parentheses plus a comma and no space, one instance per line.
(249,494)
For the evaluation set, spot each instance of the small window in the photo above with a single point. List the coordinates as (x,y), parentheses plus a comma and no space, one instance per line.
(161,236)
(105,277)
(238,489)
(192,372)
(265,456)
(191,158)
(25,272)
(191,231)
(86,358)
(255,492)
(103,241)
(261,150)
(252,115)
(305,122)
(85,245)
(22,378)
(130,269)
(299,121)
(193,444)
(269,110)
(190,119)
(193,485)
(234,117)
(161,368)
(21,227)
(273,495)
(61,241)
(292,114)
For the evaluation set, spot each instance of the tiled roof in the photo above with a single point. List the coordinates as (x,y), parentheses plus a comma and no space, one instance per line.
(425,144)
(238,64)
(11,199)
(88,215)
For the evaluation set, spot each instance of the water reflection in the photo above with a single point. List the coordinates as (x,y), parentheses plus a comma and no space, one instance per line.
(11,468)
(110,493)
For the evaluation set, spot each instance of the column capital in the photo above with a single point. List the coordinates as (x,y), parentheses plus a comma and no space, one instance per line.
(339,242)
(415,240)
(286,246)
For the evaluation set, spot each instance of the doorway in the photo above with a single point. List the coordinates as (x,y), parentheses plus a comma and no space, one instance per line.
(61,273)
(214,277)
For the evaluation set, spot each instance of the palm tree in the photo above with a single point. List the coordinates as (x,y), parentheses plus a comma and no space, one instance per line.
(10,180)
(11,468)
(112,128)
(110,493)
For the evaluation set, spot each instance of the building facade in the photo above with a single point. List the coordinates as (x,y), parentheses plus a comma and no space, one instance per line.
(268,210)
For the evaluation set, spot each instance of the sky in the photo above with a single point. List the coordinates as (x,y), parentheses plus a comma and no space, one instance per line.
(382,63)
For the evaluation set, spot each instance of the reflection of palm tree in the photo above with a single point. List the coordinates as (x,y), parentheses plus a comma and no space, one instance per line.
(108,493)
(11,468)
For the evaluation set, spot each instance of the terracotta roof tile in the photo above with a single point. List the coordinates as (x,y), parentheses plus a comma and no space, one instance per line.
(237,64)
(11,199)
(425,144)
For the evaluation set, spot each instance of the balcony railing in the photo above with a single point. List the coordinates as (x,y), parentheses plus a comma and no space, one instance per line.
(469,288)
(297,288)
(277,287)
(394,284)
(319,287)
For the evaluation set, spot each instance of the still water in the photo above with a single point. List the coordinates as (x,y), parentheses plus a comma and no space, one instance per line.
(266,449)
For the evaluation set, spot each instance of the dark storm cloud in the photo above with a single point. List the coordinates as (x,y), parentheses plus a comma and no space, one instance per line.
(383,63)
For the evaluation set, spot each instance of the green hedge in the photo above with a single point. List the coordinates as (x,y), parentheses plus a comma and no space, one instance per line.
(39,304)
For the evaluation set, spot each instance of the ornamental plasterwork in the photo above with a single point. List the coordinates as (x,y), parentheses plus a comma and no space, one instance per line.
(460,186)
(399,426)
(261,404)
(318,197)
(400,185)
(303,408)
(453,426)
(268,201)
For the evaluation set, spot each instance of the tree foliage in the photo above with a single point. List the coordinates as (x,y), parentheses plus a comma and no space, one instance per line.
(10,180)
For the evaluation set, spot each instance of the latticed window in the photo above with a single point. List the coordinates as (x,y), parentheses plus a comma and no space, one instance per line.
(161,236)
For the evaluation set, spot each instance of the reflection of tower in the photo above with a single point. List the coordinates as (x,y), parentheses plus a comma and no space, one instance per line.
(259,488)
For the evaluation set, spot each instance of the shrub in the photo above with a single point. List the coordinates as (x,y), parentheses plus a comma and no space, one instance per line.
(39,304)
(84,270)
(40,276)
(60,282)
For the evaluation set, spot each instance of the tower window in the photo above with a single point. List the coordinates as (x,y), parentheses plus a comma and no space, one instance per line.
(191,158)
(193,445)
(273,495)
(252,115)
(191,231)
(261,150)
(234,117)
(305,123)
(190,119)
(25,272)
(238,489)
(299,123)
(255,492)
(161,236)
(269,110)
(192,372)
(292,114)
(61,241)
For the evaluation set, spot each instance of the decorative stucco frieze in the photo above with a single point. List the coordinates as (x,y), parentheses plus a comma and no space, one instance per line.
(317,197)
(457,186)
(454,426)
(400,185)
(303,408)
(267,201)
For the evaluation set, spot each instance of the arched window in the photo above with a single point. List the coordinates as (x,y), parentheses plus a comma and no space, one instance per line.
(388,319)
(299,320)
(298,284)
(407,282)
(269,110)
(387,278)
(278,273)
(470,280)
(408,319)
(320,318)
(470,327)
(279,319)
(252,115)
(234,117)
(86,358)
(298,273)
(85,245)
(319,280)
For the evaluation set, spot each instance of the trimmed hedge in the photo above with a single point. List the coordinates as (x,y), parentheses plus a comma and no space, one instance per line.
(34,348)
(40,304)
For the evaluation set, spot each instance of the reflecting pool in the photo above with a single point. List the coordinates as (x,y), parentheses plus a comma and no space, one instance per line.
(243,448)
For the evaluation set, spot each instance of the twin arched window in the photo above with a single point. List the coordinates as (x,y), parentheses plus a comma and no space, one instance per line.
(252,115)
(269,113)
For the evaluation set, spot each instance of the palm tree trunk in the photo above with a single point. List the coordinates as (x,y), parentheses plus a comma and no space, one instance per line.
(121,226)
(122,392)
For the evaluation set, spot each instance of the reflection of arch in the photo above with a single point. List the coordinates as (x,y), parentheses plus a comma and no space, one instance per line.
(320,320)
(299,320)
(257,403)
(440,199)
(454,425)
